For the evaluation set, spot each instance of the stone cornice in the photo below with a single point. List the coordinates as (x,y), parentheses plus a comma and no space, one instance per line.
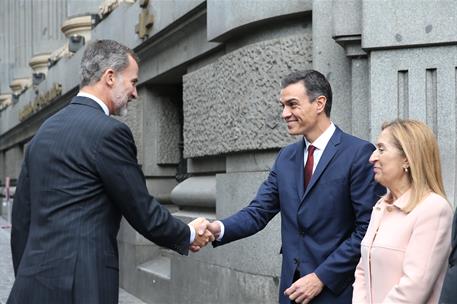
(39,63)
(19,85)
(79,25)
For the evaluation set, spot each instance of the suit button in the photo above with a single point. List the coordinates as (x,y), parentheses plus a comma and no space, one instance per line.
(296,261)
(302,232)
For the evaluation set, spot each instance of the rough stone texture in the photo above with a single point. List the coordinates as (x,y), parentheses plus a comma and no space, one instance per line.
(418,83)
(241,13)
(392,23)
(161,131)
(232,104)
(134,120)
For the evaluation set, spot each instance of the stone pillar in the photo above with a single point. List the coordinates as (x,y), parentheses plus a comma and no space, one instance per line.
(21,44)
(48,17)
(413,73)
(329,58)
(347,32)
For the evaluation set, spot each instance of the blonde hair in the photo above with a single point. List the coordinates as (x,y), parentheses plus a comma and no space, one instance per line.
(418,144)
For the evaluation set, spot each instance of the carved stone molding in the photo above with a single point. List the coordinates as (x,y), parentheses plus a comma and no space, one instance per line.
(5,101)
(59,53)
(352,45)
(39,63)
(108,6)
(19,85)
(79,25)
(145,20)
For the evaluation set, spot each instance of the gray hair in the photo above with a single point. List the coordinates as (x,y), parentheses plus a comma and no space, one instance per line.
(101,55)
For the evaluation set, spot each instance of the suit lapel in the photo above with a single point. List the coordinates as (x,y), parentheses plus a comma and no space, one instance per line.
(327,156)
(299,163)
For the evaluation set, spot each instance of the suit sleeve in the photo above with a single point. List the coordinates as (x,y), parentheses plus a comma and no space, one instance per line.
(256,215)
(125,185)
(20,217)
(337,271)
(425,255)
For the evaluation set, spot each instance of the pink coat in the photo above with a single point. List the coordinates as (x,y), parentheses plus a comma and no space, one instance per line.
(403,255)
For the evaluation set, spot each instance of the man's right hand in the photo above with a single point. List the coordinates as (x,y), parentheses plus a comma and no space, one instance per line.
(212,232)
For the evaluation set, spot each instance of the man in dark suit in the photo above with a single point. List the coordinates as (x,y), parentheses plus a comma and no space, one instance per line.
(79,176)
(449,291)
(323,186)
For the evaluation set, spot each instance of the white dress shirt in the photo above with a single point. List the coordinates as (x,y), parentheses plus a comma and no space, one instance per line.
(96,99)
(320,143)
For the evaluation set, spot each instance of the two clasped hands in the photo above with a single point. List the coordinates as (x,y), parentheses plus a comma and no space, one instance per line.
(205,232)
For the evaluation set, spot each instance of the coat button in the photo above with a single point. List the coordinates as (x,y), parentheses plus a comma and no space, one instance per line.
(302,232)
(296,261)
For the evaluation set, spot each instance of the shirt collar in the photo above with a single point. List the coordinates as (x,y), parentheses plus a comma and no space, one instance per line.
(321,142)
(96,99)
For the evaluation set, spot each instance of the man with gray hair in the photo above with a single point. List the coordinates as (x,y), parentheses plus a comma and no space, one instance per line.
(79,176)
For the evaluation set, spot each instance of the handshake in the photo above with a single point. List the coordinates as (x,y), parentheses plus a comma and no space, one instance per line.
(205,232)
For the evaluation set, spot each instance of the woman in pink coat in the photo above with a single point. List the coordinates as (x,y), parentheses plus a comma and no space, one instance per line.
(405,249)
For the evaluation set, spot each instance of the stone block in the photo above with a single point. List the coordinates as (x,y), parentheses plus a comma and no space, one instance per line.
(211,283)
(260,252)
(232,104)
(330,59)
(418,83)
(393,24)
(206,165)
(238,14)
(161,131)
(251,162)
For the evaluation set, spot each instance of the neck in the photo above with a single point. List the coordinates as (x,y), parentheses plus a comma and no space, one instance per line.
(99,93)
(399,188)
(318,129)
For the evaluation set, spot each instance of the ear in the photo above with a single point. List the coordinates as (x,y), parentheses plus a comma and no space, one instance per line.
(321,101)
(406,163)
(108,77)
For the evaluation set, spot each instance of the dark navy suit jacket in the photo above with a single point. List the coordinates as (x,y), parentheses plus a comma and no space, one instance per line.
(79,176)
(322,227)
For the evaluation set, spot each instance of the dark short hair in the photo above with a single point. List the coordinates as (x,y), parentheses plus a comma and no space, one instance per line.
(315,84)
(101,55)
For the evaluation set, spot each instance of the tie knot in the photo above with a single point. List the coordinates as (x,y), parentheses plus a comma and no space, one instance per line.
(311,149)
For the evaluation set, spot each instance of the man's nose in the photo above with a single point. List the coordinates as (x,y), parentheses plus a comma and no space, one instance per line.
(135,93)
(285,112)
(373,157)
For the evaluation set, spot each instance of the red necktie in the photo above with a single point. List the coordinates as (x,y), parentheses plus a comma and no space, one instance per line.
(309,165)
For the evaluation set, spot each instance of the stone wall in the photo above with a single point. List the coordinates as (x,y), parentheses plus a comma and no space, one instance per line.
(207,123)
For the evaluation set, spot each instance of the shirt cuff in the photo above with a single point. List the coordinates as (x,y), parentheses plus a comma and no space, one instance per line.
(221,235)
(192,234)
